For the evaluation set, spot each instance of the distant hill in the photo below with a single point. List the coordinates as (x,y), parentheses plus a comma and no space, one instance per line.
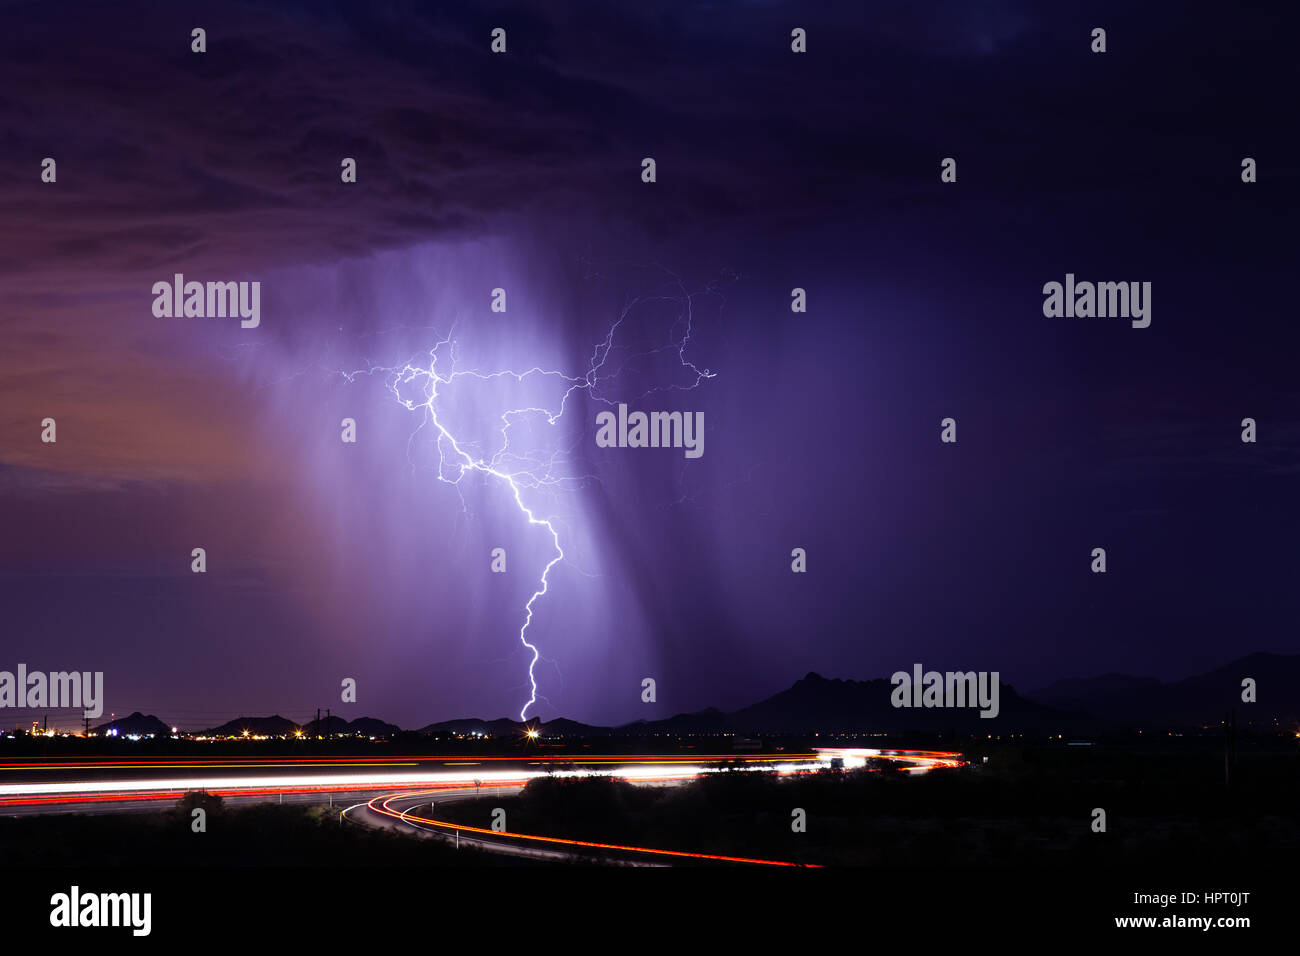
(1192,702)
(365,726)
(563,727)
(813,704)
(707,721)
(274,726)
(372,727)
(816,703)
(137,723)
(1083,692)
(505,726)
(326,725)
(476,725)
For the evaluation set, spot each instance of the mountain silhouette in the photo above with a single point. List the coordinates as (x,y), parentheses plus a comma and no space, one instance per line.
(274,726)
(136,723)
(1197,701)
(817,704)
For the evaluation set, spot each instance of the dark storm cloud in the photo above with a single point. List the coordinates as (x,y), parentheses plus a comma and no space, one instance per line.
(234,154)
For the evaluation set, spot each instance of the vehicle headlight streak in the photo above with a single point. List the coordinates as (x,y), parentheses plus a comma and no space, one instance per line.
(633,769)
(429,376)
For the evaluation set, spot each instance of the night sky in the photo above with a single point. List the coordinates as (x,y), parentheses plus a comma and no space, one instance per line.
(775,170)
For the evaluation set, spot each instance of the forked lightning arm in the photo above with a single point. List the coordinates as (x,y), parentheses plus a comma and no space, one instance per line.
(519,471)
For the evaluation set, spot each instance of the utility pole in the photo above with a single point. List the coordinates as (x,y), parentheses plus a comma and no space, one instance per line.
(328,732)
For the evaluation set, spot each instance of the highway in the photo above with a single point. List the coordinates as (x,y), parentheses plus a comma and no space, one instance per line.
(396,792)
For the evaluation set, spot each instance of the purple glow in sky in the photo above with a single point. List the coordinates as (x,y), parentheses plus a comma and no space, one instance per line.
(512,438)
(776,171)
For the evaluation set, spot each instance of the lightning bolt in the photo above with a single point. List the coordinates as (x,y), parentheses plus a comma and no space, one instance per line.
(458,456)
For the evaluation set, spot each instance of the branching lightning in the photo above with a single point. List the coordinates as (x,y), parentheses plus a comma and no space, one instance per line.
(419,383)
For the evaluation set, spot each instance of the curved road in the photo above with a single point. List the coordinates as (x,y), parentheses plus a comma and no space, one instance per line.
(395,798)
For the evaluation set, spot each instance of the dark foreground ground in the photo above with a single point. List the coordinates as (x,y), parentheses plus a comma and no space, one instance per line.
(1167,804)
(1003,847)
(261,835)
(1166,807)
